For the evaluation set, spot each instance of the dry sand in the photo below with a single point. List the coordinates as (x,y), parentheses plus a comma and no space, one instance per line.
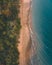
(24,35)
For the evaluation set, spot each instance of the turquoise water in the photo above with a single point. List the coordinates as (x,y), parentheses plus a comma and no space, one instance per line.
(42,23)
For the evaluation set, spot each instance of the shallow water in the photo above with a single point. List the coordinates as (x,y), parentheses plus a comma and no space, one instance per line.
(42,24)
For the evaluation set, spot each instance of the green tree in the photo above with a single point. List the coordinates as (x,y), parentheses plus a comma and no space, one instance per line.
(9,32)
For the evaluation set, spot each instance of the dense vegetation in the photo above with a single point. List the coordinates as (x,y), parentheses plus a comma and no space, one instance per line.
(9,32)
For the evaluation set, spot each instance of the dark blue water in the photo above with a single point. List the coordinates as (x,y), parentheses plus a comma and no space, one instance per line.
(42,21)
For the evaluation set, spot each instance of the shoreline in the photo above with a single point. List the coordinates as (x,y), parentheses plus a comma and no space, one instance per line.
(24,36)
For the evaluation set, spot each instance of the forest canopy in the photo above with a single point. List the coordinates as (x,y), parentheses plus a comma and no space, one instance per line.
(9,32)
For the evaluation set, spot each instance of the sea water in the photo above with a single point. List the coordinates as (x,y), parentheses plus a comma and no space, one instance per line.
(42,25)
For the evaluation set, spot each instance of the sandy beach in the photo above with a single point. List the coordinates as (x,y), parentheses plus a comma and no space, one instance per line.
(24,34)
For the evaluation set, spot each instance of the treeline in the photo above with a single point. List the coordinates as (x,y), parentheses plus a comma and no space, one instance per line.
(9,32)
